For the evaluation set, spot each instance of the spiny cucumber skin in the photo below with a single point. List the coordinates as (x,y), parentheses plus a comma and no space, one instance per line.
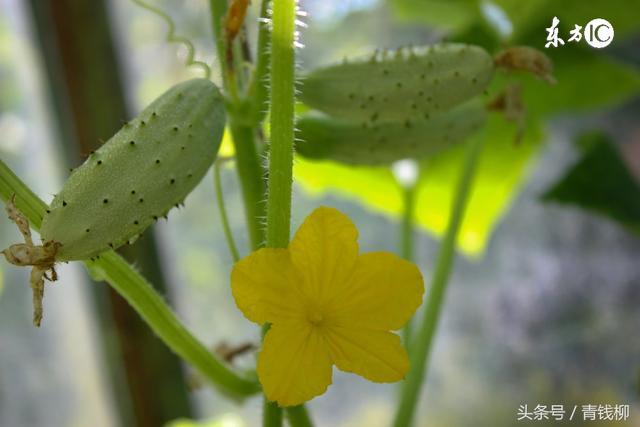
(360,143)
(407,83)
(137,176)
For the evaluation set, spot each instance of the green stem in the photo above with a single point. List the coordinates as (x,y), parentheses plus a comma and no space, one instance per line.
(258,92)
(407,246)
(271,414)
(233,249)
(152,308)
(298,416)
(282,121)
(248,163)
(251,180)
(218,10)
(407,230)
(26,200)
(421,345)
(281,148)
(142,297)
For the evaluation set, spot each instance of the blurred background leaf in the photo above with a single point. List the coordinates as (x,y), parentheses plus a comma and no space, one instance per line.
(449,15)
(582,85)
(530,18)
(600,182)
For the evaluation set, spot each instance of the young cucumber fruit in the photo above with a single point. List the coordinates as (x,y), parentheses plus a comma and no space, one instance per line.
(363,143)
(400,85)
(137,176)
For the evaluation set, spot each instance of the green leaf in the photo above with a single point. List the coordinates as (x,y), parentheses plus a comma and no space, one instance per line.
(586,82)
(448,15)
(500,173)
(531,18)
(600,182)
(524,14)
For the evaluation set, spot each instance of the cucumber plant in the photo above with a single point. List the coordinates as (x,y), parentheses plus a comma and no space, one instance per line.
(408,103)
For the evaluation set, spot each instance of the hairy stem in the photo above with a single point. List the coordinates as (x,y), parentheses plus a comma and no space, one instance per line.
(142,297)
(421,345)
(281,147)
(250,173)
(258,92)
(282,121)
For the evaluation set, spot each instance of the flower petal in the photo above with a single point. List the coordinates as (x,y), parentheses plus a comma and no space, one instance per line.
(383,293)
(264,286)
(324,250)
(376,355)
(294,364)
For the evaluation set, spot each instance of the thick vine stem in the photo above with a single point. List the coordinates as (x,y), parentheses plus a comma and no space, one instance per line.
(141,295)
(245,118)
(421,345)
(282,123)
(281,147)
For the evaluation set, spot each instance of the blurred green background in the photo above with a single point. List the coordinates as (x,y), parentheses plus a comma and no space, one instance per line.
(543,305)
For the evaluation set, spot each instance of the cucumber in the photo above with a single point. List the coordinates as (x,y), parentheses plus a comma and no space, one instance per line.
(362,143)
(137,176)
(407,84)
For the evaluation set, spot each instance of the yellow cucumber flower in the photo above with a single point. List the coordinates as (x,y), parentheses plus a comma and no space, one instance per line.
(327,305)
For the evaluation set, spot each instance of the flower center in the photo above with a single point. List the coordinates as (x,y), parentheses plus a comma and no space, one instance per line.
(315,317)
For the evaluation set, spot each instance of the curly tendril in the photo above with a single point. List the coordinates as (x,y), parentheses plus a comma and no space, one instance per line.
(172,37)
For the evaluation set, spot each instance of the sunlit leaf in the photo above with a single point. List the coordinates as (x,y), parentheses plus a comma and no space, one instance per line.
(501,170)
(600,182)
(374,187)
(226,146)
